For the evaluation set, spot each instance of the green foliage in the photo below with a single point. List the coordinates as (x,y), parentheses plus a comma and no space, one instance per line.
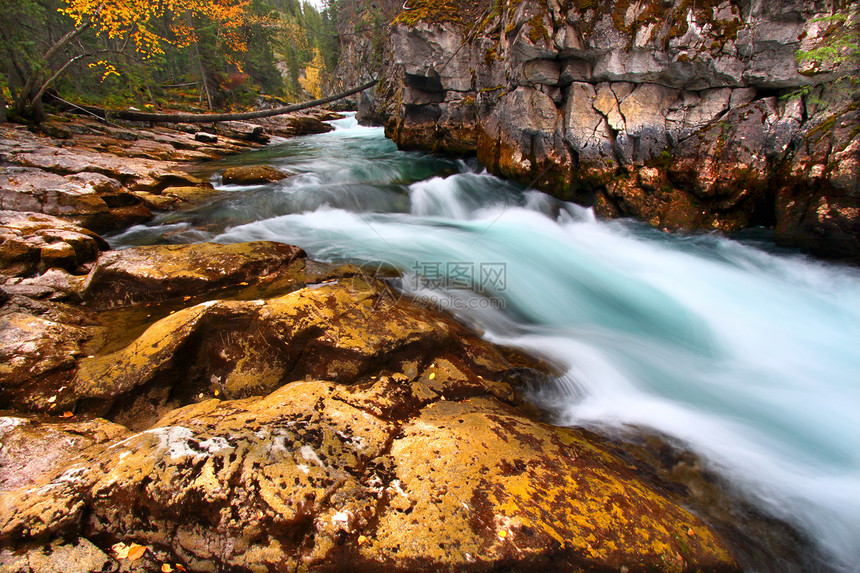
(230,71)
(304,41)
(838,54)
(22,24)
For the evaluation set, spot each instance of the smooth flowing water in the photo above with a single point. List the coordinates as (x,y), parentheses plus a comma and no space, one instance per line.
(749,356)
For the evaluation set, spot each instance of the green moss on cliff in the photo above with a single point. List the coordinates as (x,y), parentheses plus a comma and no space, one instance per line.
(433,11)
(537,30)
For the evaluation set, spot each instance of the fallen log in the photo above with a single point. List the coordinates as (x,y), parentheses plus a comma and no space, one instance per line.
(131,115)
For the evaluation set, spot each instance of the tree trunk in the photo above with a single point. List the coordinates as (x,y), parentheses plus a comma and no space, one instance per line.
(29,104)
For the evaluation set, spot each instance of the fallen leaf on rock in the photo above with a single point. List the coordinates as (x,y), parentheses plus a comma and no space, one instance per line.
(432,375)
(503,533)
(361,539)
(67,415)
(135,551)
(166,568)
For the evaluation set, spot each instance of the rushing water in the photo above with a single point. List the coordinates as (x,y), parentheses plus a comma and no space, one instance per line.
(751,358)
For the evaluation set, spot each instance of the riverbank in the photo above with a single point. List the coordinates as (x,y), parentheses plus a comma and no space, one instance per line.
(106,176)
(243,406)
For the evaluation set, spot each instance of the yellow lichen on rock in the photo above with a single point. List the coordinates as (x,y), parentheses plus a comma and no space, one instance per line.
(471,470)
(327,423)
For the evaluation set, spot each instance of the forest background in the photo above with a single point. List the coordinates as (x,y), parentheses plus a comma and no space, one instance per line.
(190,55)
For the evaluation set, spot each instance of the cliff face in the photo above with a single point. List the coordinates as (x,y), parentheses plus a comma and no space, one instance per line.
(677,112)
(362,29)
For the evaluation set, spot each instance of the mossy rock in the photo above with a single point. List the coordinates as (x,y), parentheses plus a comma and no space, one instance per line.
(252,175)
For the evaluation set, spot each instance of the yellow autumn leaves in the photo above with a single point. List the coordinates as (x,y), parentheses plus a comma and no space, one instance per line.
(312,82)
(134,551)
(134,19)
(109,68)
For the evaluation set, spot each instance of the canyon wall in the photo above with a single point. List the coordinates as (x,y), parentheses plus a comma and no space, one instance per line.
(688,115)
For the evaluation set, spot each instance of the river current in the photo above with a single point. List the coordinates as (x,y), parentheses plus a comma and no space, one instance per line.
(747,355)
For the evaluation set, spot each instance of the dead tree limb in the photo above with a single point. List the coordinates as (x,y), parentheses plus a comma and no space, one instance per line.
(131,115)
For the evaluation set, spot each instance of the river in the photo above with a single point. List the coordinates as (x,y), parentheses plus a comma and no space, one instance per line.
(747,355)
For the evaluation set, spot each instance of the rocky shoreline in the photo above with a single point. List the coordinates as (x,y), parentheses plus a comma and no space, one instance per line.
(243,407)
(107,176)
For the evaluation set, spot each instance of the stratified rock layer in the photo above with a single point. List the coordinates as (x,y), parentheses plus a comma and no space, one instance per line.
(240,407)
(687,115)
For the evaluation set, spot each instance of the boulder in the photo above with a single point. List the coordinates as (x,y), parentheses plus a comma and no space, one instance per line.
(495,485)
(76,198)
(243,130)
(33,242)
(190,195)
(39,358)
(325,114)
(251,175)
(308,125)
(260,345)
(79,556)
(205,137)
(95,160)
(306,477)
(160,273)
(157,202)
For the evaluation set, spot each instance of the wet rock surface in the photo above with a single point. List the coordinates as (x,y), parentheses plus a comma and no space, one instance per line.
(241,407)
(689,116)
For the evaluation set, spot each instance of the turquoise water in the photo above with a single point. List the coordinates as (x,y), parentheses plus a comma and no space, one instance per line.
(751,358)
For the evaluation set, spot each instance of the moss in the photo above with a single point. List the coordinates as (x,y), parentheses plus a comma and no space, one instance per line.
(433,11)
(821,130)
(618,15)
(662,161)
(490,56)
(537,30)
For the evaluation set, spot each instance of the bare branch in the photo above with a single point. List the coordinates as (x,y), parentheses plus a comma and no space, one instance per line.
(215,117)
(62,69)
